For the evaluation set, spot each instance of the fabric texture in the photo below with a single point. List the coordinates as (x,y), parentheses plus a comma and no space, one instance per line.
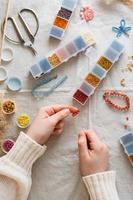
(61,160)
(102,186)
(15,173)
(15,168)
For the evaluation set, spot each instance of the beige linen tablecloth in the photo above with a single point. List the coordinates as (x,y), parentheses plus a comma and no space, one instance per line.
(56,174)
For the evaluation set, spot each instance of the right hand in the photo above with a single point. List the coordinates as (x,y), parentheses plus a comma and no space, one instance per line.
(93,159)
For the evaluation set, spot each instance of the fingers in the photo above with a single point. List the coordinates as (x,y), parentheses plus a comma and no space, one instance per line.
(82,145)
(72,109)
(51,110)
(59,116)
(60,125)
(59,128)
(93,140)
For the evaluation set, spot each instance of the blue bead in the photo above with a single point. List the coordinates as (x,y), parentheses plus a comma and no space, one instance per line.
(98,71)
(116,45)
(126,139)
(79,43)
(112,55)
(129,148)
(45,65)
(35,71)
(69,4)
(86,88)
(56,32)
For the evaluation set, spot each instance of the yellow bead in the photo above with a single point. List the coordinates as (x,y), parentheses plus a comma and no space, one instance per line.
(23,120)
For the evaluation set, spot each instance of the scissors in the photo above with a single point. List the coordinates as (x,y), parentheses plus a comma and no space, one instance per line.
(28,44)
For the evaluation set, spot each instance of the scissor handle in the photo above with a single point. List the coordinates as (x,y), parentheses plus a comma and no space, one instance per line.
(16,28)
(31,35)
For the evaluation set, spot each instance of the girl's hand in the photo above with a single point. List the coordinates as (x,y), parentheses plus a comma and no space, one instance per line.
(93,154)
(50,121)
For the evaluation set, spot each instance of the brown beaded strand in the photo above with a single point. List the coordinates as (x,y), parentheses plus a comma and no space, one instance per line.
(113,93)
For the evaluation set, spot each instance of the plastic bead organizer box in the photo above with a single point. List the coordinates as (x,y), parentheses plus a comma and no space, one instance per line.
(62,54)
(127,144)
(99,72)
(62,19)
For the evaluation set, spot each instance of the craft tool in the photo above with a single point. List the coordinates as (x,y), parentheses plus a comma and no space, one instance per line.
(4,29)
(122,29)
(113,93)
(23,121)
(8,107)
(62,19)
(7,55)
(51,88)
(14,84)
(3,74)
(22,40)
(62,54)
(99,72)
(7,145)
(127,144)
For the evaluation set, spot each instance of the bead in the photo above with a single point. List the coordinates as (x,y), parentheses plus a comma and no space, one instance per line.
(93,80)
(105,63)
(65,13)
(59,22)
(123,96)
(8,107)
(80,96)
(23,120)
(7,145)
(54,60)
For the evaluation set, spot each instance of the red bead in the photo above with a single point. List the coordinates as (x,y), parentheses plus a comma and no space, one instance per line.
(80,97)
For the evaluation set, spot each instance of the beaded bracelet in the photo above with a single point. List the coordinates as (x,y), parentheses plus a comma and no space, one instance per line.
(113,93)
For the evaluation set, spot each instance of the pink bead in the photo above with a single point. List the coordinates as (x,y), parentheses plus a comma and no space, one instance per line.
(7,145)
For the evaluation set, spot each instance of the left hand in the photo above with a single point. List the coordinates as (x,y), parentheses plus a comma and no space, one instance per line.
(50,121)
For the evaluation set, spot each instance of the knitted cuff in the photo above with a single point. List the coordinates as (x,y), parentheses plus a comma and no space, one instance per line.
(102,186)
(25,152)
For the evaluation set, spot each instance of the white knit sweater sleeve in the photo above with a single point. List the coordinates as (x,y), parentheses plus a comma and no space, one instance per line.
(15,168)
(102,186)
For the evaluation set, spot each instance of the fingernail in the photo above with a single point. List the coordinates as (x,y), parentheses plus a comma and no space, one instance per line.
(81,138)
(67,111)
(76,113)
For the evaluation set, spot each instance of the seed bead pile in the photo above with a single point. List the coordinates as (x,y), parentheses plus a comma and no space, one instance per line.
(8,107)
(23,120)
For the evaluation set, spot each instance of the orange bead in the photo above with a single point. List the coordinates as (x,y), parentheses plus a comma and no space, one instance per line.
(62,23)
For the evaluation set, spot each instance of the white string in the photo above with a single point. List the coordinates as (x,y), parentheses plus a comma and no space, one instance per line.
(90,121)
